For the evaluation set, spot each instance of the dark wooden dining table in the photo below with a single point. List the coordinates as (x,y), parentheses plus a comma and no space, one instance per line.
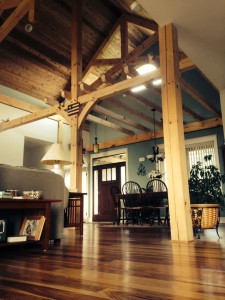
(154,195)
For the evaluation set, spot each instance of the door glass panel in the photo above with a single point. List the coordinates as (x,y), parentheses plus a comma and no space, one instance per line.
(113,173)
(123,175)
(103,174)
(109,174)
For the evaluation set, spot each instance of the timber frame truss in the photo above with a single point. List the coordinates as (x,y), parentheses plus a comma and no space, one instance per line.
(106,87)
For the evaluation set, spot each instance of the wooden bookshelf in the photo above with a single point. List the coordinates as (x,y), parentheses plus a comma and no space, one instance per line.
(30,207)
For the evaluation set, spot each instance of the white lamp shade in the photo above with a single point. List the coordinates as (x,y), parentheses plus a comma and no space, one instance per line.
(55,155)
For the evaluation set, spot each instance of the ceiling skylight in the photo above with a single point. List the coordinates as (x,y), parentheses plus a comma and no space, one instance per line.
(138,88)
(147,68)
(157,81)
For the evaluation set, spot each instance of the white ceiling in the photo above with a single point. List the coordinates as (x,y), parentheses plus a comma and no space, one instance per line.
(201,31)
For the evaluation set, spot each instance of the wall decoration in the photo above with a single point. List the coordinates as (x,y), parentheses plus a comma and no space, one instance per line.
(141,170)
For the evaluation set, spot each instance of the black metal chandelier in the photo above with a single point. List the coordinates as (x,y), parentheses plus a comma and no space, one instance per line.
(156,156)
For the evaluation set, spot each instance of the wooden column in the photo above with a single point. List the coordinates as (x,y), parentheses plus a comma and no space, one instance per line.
(222,103)
(60,132)
(179,200)
(76,76)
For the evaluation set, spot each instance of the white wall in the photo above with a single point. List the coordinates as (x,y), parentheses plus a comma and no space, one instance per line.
(12,140)
(32,157)
(11,150)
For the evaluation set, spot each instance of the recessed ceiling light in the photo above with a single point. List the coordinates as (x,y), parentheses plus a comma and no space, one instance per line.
(28,27)
(147,68)
(157,81)
(138,88)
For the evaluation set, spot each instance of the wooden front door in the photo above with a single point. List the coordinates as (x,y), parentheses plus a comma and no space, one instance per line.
(105,177)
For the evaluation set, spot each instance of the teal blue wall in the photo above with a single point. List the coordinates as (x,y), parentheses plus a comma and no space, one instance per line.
(135,151)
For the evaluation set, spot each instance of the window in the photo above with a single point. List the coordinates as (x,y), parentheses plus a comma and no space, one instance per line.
(95,192)
(109,174)
(198,148)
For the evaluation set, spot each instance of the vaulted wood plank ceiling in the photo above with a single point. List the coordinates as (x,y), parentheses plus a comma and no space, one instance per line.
(115,40)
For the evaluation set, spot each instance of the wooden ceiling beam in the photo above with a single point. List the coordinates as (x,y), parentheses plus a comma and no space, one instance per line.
(145,102)
(186,64)
(134,112)
(106,61)
(199,98)
(118,88)
(25,6)
(192,113)
(107,40)
(31,11)
(118,117)
(112,114)
(129,109)
(25,106)
(122,23)
(157,91)
(143,137)
(206,124)
(135,53)
(109,124)
(7,4)
(44,113)
(143,22)
(124,37)
(113,61)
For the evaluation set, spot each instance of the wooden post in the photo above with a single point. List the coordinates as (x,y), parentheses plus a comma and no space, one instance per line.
(179,200)
(60,132)
(76,76)
(222,103)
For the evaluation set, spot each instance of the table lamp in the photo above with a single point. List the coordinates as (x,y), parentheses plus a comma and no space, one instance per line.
(56,156)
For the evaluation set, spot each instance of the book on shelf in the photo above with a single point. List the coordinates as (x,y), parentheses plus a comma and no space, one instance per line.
(19,238)
(40,228)
(5,195)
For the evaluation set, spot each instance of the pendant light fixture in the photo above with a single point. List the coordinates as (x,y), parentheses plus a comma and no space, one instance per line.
(156,156)
(96,145)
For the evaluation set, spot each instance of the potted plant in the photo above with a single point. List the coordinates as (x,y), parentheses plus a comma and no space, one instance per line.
(206,195)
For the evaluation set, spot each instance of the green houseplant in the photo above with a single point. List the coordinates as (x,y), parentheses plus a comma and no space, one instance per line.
(205,183)
(206,195)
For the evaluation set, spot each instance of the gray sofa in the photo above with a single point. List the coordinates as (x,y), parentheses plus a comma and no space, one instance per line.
(52,187)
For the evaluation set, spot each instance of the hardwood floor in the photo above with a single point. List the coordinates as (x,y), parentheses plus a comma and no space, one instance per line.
(116,264)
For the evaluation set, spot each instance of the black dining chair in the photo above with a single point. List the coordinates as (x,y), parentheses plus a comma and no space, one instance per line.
(114,190)
(132,197)
(156,185)
(158,199)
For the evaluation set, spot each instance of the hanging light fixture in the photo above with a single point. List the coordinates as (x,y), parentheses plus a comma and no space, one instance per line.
(83,153)
(96,145)
(156,156)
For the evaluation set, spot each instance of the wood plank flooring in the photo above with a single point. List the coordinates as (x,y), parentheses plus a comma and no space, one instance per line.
(122,264)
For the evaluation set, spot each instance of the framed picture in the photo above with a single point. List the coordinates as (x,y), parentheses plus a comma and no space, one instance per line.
(3,229)
(32,227)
